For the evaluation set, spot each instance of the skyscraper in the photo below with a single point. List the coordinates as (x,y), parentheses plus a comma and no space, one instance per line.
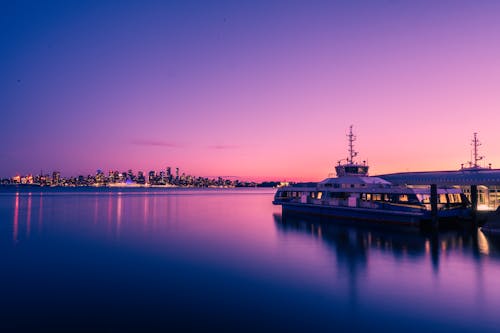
(56,177)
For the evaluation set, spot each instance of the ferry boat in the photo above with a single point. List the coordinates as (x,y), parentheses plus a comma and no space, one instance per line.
(355,196)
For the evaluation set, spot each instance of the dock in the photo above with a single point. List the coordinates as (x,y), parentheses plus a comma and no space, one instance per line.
(481,185)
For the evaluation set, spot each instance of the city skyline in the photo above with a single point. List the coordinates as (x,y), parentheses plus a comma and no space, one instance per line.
(258,90)
(167,177)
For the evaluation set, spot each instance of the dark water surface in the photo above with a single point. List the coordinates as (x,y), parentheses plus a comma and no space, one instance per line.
(226,260)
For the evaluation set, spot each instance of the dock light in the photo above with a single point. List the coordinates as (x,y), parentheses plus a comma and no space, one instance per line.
(484,208)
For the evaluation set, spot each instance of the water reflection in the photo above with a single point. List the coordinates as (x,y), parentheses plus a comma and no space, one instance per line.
(24,212)
(15,225)
(40,212)
(456,268)
(353,244)
(118,214)
(28,217)
(223,256)
(482,242)
(110,213)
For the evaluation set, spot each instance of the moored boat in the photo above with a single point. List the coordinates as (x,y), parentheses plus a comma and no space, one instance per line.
(355,196)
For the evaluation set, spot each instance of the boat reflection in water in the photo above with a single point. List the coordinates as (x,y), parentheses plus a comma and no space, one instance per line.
(438,281)
(354,243)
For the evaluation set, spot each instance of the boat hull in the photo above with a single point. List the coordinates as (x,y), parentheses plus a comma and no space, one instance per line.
(356,215)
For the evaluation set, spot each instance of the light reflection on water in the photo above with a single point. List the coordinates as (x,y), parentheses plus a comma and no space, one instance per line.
(227,260)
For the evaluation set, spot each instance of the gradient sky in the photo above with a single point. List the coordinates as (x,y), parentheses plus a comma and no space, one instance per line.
(258,90)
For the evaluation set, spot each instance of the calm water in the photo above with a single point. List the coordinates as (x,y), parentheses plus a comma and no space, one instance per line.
(225,260)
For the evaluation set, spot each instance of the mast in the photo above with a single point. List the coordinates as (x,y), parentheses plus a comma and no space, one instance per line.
(475,151)
(351,168)
(474,155)
(352,152)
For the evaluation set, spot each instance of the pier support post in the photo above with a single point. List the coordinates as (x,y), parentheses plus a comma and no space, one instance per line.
(474,200)
(434,206)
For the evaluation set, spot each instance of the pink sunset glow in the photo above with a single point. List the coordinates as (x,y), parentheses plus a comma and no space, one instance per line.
(258,91)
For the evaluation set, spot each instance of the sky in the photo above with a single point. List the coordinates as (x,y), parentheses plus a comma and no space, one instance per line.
(259,90)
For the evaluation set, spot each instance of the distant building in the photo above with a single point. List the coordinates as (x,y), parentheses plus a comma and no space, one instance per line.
(56,178)
(99,177)
(163,178)
(152,177)
(140,178)
(169,175)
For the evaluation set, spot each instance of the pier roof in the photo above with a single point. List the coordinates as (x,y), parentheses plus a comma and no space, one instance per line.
(479,176)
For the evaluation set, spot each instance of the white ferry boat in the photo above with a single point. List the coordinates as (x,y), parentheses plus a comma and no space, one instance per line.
(354,196)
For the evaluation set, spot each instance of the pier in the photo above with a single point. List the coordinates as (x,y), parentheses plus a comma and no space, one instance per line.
(481,185)
(474,182)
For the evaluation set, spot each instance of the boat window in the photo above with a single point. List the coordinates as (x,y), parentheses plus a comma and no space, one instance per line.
(363,196)
(403,198)
(319,195)
(376,197)
(442,198)
(336,185)
(464,199)
(424,198)
(454,198)
(339,195)
(368,196)
(351,169)
(412,199)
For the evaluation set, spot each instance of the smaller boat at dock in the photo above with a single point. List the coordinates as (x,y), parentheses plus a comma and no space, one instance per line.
(354,196)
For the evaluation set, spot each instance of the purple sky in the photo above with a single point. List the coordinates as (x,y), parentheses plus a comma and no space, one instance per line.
(262,90)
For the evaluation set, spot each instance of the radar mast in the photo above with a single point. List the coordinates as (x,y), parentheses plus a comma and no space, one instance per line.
(475,151)
(473,164)
(351,168)
(352,152)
